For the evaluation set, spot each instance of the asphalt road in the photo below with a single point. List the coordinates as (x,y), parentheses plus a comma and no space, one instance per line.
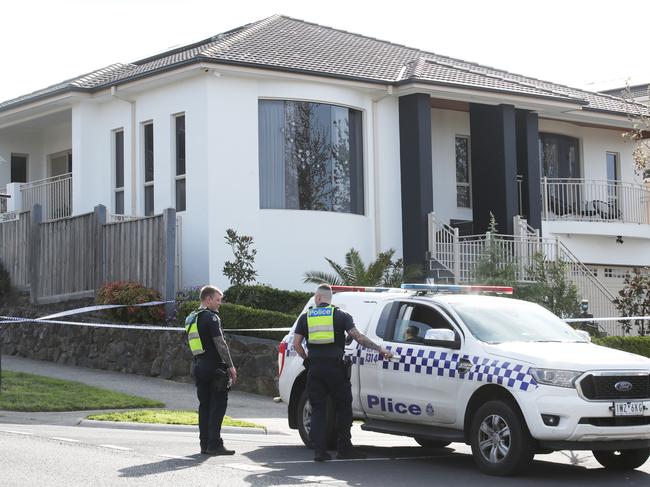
(52,449)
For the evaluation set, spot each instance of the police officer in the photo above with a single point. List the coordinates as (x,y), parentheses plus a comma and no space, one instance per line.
(324,326)
(213,368)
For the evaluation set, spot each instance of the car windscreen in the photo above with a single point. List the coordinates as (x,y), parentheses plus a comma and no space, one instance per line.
(509,320)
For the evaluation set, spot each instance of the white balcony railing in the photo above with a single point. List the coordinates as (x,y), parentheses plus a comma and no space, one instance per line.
(595,200)
(53,194)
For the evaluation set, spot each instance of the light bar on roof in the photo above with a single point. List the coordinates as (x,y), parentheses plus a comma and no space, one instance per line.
(457,288)
(365,289)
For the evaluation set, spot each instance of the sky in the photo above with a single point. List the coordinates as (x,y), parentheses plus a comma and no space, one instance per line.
(589,44)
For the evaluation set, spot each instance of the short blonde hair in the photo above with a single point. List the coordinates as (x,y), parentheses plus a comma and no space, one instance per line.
(325,292)
(209,291)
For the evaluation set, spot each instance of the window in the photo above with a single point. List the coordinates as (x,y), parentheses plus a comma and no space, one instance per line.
(18,168)
(148,169)
(311,157)
(613,174)
(414,320)
(118,167)
(60,163)
(559,156)
(179,149)
(463,187)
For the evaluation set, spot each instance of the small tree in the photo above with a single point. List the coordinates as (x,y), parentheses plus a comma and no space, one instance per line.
(639,117)
(551,287)
(241,270)
(495,267)
(634,300)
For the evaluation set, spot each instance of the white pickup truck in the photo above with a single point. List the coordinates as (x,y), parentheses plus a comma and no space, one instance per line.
(505,376)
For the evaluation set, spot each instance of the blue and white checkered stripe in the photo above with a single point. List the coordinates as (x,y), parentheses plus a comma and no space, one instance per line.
(444,364)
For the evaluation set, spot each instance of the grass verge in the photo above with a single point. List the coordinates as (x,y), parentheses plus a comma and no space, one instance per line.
(34,393)
(166,416)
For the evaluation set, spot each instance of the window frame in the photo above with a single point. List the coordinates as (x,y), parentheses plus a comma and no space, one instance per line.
(176,177)
(121,189)
(361,200)
(389,333)
(467,184)
(148,185)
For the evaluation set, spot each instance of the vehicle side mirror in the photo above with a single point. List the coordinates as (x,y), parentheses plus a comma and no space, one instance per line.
(442,337)
(584,334)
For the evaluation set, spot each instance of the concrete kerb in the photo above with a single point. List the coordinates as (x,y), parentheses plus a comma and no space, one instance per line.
(240,430)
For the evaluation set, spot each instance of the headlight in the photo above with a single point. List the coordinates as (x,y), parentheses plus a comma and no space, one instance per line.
(555,377)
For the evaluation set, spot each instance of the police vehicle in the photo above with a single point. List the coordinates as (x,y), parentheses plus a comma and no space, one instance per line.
(505,376)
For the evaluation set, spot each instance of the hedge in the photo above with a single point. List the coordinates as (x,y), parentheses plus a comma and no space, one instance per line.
(237,316)
(637,345)
(268,298)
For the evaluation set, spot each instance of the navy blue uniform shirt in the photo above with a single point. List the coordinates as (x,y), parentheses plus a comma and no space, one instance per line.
(209,327)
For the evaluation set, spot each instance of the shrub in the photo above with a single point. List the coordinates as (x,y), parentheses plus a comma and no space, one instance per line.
(268,298)
(125,292)
(5,282)
(639,345)
(237,316)
(242,269)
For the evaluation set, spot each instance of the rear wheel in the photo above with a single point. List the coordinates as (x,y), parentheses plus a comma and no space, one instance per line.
(426,443)
(501,443)
(303,420)
(622,459)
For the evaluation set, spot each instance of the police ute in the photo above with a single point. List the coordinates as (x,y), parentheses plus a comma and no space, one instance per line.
(505,376)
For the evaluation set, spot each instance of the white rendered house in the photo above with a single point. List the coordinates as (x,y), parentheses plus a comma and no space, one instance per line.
(314,140)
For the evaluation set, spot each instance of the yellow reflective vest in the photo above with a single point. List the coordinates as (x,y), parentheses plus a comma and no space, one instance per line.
(192,330)
(320,325)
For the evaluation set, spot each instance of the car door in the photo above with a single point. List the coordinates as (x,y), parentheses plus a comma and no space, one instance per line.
(421,385)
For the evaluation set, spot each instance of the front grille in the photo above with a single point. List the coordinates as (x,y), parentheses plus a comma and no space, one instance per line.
(602,387)
(619,421)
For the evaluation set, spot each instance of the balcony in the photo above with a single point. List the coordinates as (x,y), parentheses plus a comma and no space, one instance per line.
(590,200)
(53,194)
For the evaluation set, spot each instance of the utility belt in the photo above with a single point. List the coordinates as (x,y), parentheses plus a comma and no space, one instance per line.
(344,360)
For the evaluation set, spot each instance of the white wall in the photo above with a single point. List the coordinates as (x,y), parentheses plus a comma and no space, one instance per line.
(445,126)
(592,249)
(289,242)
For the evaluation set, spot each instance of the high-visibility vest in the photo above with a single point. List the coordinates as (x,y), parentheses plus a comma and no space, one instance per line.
(192,330)
(320,325)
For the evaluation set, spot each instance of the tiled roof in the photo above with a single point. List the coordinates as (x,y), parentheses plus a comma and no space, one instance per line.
(287,44)
(637,91)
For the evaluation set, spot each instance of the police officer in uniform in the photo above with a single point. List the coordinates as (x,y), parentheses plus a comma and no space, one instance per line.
(324,327)
(214,371)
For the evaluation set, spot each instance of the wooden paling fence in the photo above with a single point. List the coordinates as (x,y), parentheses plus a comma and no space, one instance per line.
(72,257)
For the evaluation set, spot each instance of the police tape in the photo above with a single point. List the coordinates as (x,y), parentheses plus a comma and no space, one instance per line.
(8,320)
(49,319)
(619,318)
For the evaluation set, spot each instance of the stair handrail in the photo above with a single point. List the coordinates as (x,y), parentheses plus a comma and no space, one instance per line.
(436,225)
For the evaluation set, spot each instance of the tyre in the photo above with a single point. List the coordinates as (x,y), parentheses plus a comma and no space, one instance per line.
(501,443)
(622,459)
(426,443)
(303,420)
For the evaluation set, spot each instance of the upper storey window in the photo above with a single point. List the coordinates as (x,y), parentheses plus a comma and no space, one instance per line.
(311,157)
(559,156)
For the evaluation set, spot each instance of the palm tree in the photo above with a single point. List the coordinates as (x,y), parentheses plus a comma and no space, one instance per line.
(382,272)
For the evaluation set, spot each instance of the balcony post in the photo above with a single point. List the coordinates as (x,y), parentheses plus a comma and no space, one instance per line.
(15,201)
(646,200)
(545,197)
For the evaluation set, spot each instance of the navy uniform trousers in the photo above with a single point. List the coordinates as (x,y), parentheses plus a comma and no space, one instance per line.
(328,377)
(212,406)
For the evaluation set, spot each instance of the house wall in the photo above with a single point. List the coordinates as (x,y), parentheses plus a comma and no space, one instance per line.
(446,125)
(37,143)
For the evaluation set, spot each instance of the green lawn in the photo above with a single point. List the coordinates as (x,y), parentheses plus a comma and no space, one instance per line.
(165,416)
(27,392)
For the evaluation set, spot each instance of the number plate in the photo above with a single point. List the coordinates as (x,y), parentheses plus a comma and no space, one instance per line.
(628,408)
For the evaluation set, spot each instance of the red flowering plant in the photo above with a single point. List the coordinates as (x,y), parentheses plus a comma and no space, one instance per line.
(129,293)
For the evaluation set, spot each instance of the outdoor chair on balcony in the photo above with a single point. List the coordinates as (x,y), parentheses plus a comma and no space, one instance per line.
(607,210)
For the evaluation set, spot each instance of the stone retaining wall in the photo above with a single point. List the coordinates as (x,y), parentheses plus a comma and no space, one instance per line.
(163,354)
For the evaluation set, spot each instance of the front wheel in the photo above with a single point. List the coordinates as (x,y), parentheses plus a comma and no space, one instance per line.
(426,443)
(303,420)
(501,443)
(622,459)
